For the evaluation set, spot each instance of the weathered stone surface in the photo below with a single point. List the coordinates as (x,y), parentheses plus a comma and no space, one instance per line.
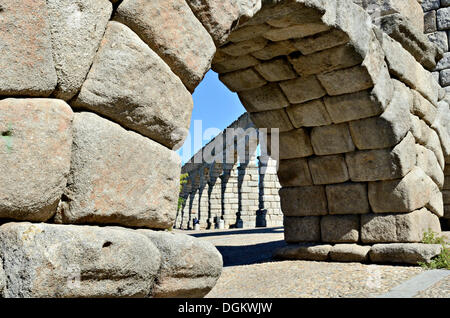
(158,23)
(295,31)
(272,119)
(321,41)
(354,106)
(47,260)
(403,195)
(404,66)
(242,80)
(349,253)
(244,47)
(441,125)
(294,173)
(218,17)
(305,251)
(303,201)
(409,9)
(432,142)
(35,143)
(382,164)
(387,228)
(412,39)
(302,229)
(249,7)
(440,39)
(276,70)
(2,277)
(77,28)
(26,62)
(423,108)
(249,32)
(274,49)
(340,228)
(119,177)
(346,81)
(426,160)
(390,127)
(326,61)
(427,137)
(428,5)
(430,23)
(231,63)
(443,19)
(189,267)
(332,139)
(347,198)
(328,169)
(436,203)
(301,90)
(130,84)
(404,253)
(310,114)
(295,144)
(288,14)
(263,98)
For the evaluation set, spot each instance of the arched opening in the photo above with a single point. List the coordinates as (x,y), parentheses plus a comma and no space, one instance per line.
(363,137)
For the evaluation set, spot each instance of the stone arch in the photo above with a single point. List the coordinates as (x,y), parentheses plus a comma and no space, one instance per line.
(363,131)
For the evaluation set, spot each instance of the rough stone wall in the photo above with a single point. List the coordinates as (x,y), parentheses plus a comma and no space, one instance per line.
(242,194)
(95,97)
(437,28)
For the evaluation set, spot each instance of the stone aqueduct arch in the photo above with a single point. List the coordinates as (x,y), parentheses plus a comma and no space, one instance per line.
(241,190)
(96,94)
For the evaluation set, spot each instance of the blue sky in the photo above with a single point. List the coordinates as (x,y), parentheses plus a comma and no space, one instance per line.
(216,106)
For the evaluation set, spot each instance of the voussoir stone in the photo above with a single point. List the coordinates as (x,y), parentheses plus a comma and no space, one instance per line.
(35,147)
(77,28)
(304,251)
(353,106)
(409,253)
(119,177)
(190,267)
(171,29)
(26,63)
(132,85)
(404,66)
(48,260)
(217,16)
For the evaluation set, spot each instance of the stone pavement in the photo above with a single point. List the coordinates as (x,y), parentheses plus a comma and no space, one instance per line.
(249,272)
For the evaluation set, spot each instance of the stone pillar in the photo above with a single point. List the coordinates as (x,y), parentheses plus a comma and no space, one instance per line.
(248,193)
(230,202)
(269,200)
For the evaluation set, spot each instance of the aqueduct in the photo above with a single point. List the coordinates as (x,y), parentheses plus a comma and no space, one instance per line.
(96,95)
